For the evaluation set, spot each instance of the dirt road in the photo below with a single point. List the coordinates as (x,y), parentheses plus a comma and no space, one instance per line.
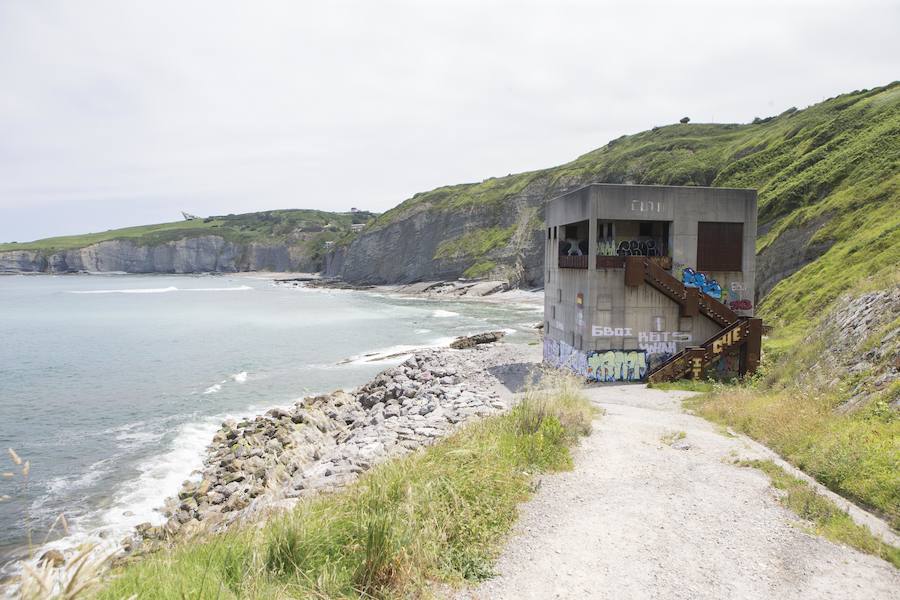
(639,518)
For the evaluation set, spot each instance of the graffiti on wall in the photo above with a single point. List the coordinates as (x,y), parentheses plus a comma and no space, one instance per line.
(728,366)
(662,342)
(645,247)
(728,339)
(572,359)
(617,365)
(740,305)
(562,355)
(551,352)
(710,287)
(600,331)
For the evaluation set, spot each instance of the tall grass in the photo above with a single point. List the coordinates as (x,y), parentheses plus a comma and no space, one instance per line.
(857,456)
(436,515)
(826,518)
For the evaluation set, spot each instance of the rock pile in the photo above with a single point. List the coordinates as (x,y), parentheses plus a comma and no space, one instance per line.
(323,443)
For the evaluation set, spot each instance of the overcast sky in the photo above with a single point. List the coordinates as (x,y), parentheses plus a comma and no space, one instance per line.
(122,112)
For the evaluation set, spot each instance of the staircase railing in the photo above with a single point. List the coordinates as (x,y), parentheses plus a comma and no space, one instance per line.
(743,335)
(737,333)
(639,269)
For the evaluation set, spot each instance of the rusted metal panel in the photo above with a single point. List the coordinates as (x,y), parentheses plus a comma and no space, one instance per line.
(610,262)
(573,262)
(720,246)
(691,305)
(753,347)
(635,270)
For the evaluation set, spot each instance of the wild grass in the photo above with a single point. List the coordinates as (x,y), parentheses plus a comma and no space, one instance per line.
(687,385)
(825,517)
(436,515)
(670,437)
(855,455)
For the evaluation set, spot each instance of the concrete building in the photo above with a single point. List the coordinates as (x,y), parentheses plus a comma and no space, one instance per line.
(651,282)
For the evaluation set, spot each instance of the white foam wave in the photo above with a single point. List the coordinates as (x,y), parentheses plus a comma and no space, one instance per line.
(422,331)
(76,482)
(240,288)
(216,387)
(394,354)
(165,290)
(443,314)
(509,330)
(240,377)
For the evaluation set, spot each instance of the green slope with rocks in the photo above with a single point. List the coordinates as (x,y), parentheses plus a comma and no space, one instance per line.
(828,189)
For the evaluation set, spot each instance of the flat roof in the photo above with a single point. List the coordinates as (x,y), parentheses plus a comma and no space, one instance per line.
(642,185)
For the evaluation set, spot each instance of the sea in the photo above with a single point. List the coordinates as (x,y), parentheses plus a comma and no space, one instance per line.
(111,386)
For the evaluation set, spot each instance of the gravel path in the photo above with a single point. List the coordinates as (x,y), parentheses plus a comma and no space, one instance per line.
(638,518)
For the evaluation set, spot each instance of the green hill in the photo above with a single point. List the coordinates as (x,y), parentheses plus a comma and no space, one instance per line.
(272,226)
(835,164)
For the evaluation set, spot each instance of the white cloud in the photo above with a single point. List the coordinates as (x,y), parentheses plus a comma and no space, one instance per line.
(115,113)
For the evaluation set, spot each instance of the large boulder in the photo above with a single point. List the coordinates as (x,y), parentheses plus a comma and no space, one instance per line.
(479,338)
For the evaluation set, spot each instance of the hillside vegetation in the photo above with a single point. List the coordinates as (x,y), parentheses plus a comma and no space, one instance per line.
(834,163)
(269,227)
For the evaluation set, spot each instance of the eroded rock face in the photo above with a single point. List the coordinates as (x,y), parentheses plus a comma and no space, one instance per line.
(859,340)
(323,443)
(789,253)
(202,254)
(405,250)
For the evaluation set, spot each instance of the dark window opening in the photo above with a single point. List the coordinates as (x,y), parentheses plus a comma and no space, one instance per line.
(633,238)
(720,246)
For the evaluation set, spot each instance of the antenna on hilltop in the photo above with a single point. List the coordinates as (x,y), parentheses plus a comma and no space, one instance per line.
(189,216)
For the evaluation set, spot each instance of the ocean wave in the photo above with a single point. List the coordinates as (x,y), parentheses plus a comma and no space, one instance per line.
(165,290)
(214,388)
(422,331)
(240,377)
(70,483)
(396,354)
(240,288)
(443,314)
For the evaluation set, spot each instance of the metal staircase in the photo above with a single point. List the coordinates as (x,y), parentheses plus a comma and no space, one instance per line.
(740,335)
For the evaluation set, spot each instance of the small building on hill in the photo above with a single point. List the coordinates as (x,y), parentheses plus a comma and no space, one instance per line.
(646,282)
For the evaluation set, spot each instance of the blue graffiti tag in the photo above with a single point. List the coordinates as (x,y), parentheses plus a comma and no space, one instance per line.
(710,287)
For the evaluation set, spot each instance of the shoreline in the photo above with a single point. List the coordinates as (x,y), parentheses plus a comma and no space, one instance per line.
(258,465)
(268,463)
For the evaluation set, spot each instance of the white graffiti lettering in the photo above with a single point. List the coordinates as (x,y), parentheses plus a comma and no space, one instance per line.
(658,347)
(664,336)
(646,205)
(599,331)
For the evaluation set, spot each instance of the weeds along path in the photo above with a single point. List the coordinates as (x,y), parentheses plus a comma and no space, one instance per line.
(651,513)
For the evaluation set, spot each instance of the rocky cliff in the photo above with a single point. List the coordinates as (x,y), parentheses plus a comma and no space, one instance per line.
(190,255)
(293,240)
(826,177)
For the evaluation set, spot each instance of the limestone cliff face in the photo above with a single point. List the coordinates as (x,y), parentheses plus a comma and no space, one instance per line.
(407,249)
(189,255)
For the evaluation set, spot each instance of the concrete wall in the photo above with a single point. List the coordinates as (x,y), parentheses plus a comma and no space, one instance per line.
(615,320)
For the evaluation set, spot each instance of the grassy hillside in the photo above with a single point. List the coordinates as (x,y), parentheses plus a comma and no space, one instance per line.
(274,226)
(837,161)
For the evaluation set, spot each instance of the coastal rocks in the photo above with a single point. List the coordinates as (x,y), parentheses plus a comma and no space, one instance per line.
(323,443)
(54,558)
(479,338)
